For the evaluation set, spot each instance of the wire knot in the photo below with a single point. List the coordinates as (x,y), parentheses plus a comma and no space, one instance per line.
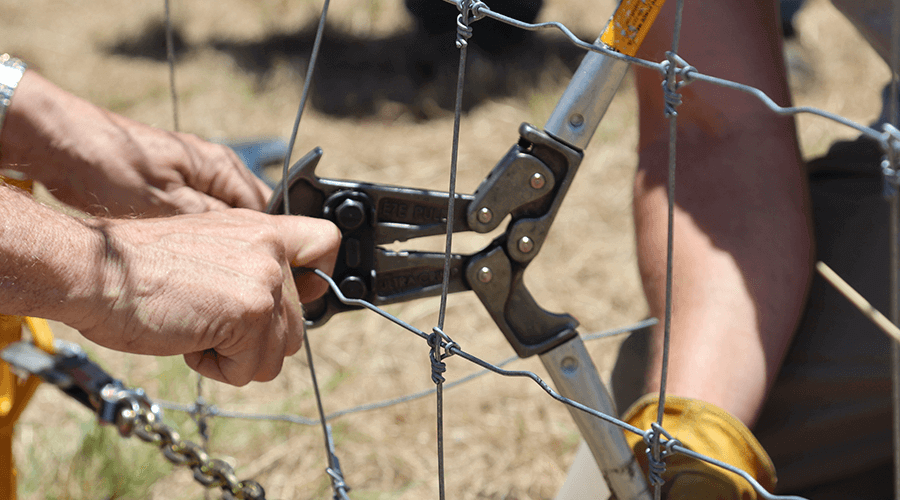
(463,32)
(469,12)
(656,466)
(673,67)
(436,341)
(337,483)
(890,144)
(891,184)
(200,414)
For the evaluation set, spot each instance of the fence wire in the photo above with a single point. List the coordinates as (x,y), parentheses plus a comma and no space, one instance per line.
(676,73)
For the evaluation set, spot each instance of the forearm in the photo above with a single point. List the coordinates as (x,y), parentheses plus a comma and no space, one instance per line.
(107,164)
(742,237)
(49,261)
(30,138)
(742,263)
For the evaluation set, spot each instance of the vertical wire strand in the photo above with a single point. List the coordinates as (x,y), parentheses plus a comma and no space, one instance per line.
(463,31)
(170,56)
(670,236)
(671,88)
(333,468)
(894,207)
(176,126)
(439,396)
(304,97)
(454,158)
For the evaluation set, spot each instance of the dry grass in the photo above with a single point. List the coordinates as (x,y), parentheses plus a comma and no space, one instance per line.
(505,439)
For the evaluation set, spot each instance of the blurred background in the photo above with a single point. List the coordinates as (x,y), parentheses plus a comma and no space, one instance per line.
(382,111)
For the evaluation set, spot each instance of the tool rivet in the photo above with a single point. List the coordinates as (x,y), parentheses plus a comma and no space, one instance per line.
(526,244)
(569,364)
(350,214)
(576,120)
(353,287)
(485,275)
(485,215)
(537,181)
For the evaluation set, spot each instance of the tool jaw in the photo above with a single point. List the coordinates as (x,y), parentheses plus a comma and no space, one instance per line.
(527,186)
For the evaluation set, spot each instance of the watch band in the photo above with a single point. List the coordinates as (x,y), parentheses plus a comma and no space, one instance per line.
(11,71)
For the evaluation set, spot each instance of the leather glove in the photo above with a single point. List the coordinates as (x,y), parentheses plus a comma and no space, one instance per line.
(710,431)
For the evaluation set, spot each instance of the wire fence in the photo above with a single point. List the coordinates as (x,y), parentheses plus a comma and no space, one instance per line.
(676,73)
(440,344)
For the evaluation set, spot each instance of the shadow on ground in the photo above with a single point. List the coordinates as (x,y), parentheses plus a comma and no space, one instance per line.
(412,72)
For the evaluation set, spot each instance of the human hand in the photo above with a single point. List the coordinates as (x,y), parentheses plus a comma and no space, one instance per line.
(216,287)
(710,431)
(106,164)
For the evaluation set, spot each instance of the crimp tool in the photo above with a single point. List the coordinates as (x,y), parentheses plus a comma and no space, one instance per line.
(528,185)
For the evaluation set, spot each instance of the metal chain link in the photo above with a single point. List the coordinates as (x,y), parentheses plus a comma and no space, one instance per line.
(137,416)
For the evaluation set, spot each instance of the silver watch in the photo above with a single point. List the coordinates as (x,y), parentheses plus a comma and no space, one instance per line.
(11,71)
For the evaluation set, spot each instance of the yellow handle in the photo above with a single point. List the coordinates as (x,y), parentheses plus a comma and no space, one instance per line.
(630,24)
(15,394)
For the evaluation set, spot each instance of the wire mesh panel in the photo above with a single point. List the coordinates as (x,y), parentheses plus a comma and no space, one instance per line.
(488,440)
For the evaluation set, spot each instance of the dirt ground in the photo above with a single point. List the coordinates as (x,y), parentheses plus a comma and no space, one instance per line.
(380,111)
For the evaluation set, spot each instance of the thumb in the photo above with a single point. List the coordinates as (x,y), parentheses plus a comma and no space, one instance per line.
(312,243)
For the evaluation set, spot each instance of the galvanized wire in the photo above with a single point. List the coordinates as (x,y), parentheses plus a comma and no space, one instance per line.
(170,57)
(215,411)
(672,100)
(673,69)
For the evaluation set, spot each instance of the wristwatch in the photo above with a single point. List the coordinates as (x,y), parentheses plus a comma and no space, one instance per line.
(11,71)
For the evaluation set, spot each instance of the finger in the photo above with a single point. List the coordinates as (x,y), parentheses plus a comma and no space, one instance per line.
(293,314)
(240,369)
(211,364)
(312,243)
(237,185)
(187,200)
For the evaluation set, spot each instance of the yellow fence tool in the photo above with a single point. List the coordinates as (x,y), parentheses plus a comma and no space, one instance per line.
(630,24)
(15,393)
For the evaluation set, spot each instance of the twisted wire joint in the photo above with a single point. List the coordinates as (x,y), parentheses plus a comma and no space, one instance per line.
(337,481)
(469,12)
(437,340)
(890,144)
(657,467)
(200,414)
(673,67)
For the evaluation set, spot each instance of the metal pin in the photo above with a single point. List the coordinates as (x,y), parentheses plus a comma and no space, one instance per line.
(485,215)
(538,181)
(526,244)
(485,275)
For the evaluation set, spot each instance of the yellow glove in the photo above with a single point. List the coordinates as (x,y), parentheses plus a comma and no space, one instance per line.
(710,431)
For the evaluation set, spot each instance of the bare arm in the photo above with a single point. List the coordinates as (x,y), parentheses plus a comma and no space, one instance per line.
(107,164)
(743,244)
(215,287)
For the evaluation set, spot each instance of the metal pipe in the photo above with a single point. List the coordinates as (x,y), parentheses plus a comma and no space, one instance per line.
(575,376)
(586,99)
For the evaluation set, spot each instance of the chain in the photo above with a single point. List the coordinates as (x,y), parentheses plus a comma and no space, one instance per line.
(137,416)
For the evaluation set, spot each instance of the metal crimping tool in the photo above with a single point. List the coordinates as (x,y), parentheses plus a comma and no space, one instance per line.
(528,185)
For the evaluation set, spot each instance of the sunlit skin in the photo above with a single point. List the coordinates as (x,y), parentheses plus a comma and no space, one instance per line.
(742,240)
(207,281)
